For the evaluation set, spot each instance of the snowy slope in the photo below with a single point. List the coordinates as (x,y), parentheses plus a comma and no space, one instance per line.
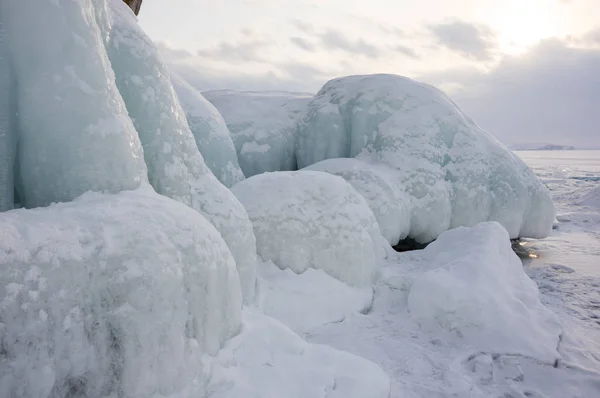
(262,125)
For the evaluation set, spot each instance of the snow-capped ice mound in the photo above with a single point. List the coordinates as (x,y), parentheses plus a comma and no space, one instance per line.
(175,166)
(268,360)
(211,133)
(262,126)
(591,198)
(74,131)
(457,173)
(112,295)
(483,295)
(380,187)
(310,219)
(8,143)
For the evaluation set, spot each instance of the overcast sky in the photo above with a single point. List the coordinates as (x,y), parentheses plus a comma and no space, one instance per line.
(526,70)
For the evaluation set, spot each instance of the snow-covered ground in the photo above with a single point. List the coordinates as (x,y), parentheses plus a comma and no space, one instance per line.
(460,318)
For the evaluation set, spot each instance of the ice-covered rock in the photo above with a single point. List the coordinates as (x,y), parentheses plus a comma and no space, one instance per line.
(262,126)
(211,133)
(112,294)
(8,142)
(378,184)
(74,131)
(175,166)
(483,295)
(456,173)
(310,219)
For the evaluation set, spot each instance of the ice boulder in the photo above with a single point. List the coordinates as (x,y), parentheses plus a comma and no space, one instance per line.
(378,184)
(310,219)
(211,133)
(262,125)
(475,287)
(456,173)
(8,143)
(74,131)
(112,295)
(175,166)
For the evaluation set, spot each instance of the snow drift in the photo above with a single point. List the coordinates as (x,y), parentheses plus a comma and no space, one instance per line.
(112,294)
(310,219)
(456,173)
(263,126)
(211,133)
(175,166)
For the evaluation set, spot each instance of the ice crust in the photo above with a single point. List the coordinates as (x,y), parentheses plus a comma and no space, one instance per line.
(310,219)
(263,127)
(211,133)
(456,173)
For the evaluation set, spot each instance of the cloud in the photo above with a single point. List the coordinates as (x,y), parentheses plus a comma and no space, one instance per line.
(244,50)
(302,43)
(550,95)
(472,41)
(592,37)
(335,40)
(407,51)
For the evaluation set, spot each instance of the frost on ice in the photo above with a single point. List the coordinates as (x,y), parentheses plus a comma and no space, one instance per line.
(112,294)
(262,125)
(74,131)
(379,186)
(456,173)
(484,295)
(310,219)
(175,166)
(211,133)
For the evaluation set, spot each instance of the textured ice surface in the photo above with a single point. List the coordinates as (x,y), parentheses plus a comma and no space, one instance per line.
(456,173)
(8,143)
(211,133)
(484,295)
(310,219)
(112,294)
(74,132)
(262,126)
(268,360)
(378,184)
(591,198)
(175,166)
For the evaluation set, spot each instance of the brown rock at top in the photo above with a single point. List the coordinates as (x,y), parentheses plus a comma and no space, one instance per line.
(134,5)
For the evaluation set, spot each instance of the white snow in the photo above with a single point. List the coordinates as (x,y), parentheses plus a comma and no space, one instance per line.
(74,131)
(175,166)
(456,173)
(263,126)
(310,219)
(591,198)
(377,184)
(112,294)
(211,133)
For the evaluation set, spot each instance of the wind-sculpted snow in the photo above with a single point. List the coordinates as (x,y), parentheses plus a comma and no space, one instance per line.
(211,133)
(8,143)
(262,125)
(378,185)
(456,173)
(74,131)
(175,166)
(483,295)
(112,295)
(310,219)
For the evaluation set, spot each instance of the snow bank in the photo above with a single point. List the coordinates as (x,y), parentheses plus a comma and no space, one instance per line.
(269,360)
(74,131)
(263,126)
(456,173)
(310,219)
(211,133)
(112,294)
(175,166)
(379,186)
(8,145)
(475,287)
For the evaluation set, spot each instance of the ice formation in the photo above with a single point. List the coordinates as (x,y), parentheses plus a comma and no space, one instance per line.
(211,133)
(456,173)
(112,294)
(262,126)
(8,145)
(310,219)
(175,166)
(74,131)
(483,295)
(378,184)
